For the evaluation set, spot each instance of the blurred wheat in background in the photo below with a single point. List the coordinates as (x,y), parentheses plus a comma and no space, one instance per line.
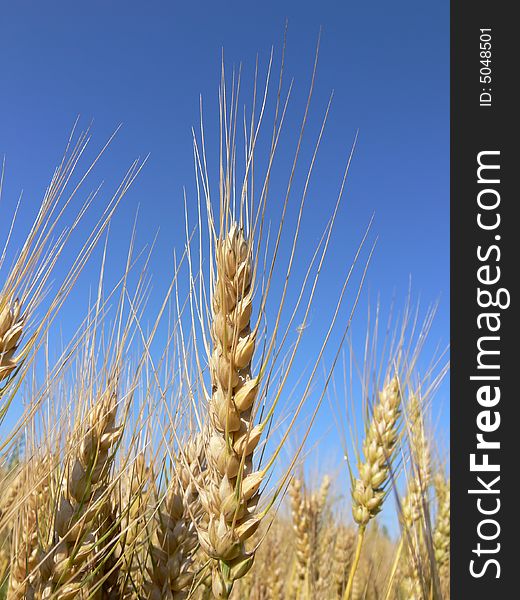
(184,472)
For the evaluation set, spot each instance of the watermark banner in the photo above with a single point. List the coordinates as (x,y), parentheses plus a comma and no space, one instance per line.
(484,291)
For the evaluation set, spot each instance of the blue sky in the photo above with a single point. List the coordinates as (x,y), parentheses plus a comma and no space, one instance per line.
(145,65)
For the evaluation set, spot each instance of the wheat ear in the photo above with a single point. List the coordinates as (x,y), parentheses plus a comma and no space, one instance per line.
(441,532)
(412,505)
(300,522)
(172,570)
(11,329)
(369,490)
(320,566)
(416,495)
(277,574)
(231,488)
(85,515)
(410,585)
(342,559)
(26,564)
(324,580)
(134,496)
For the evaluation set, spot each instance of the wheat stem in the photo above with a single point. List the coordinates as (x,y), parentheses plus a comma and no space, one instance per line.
(393,571)
(355,561)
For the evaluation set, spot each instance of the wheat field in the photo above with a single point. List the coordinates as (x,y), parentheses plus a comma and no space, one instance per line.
(164,454)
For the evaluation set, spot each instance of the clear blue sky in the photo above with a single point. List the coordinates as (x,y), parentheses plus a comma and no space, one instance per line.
(145,63)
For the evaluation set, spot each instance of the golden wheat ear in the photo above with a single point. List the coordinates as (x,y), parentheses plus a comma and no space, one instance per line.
(309,515)
(413,508)
(369,490)
(172,566)
(342,559)
(249,364)
(416,498)
(441,532)
(300,522)
(379,448)
(85,514)
(11,329)
(134,497)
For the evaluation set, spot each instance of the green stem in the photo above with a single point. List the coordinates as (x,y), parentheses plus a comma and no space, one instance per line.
(226,580)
